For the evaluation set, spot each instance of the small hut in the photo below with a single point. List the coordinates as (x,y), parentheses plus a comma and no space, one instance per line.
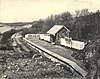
(57,32)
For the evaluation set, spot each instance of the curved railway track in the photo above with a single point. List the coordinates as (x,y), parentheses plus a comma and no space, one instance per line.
(18,46)
(21,48)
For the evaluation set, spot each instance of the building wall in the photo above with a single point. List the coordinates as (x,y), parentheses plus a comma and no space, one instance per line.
(61,34)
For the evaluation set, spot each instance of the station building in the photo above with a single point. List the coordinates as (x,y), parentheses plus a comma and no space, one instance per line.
(57,32)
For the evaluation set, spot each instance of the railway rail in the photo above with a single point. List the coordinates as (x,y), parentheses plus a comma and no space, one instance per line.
(18,46)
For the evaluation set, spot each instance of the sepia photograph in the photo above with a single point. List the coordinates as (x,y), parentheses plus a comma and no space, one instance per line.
(49,39)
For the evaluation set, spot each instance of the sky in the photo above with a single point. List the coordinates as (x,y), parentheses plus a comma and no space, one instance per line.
(31,10)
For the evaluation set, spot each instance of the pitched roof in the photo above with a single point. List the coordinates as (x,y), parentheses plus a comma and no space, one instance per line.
(56,28)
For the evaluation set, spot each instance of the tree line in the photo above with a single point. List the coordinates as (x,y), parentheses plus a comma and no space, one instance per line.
(83,25)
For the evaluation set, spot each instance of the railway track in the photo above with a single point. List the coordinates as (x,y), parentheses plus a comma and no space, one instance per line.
(18,46)
(23,49)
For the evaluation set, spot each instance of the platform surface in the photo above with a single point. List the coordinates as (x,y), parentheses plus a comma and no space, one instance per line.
(59,50)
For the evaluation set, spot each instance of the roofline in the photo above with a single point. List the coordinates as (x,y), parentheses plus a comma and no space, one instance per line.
(60,29)
(66,28)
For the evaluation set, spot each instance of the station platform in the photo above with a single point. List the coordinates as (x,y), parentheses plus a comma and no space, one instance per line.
(60,52)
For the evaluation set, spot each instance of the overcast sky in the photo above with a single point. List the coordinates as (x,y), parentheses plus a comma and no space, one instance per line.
(30,10)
